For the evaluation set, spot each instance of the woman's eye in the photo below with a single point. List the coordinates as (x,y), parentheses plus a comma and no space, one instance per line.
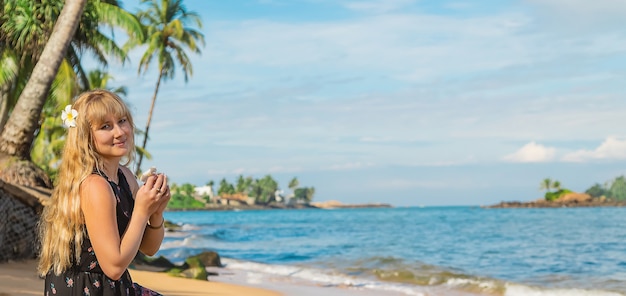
(123,120)
(105,126)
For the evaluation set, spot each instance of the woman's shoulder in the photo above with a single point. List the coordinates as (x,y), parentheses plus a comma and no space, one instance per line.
(94,187)
(95,181)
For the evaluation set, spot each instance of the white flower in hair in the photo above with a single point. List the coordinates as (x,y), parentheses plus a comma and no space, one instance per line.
(69,116)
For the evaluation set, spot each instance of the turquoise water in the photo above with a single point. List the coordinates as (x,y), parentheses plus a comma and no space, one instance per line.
(565,251)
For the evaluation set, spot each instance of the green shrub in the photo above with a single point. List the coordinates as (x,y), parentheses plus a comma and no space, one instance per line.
(552,196)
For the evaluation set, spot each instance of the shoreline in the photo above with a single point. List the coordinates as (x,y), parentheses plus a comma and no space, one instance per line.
(19,278)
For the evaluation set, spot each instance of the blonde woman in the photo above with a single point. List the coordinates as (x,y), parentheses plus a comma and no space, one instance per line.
(98,217)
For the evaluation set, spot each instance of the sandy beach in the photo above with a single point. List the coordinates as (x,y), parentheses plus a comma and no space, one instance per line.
(19,278)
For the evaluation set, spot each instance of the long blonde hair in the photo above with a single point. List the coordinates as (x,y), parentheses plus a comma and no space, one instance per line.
(62,224)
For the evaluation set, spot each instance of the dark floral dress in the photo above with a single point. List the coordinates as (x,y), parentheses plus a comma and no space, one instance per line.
(86,278)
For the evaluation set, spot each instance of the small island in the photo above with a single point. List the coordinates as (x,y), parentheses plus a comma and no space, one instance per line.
(611,194)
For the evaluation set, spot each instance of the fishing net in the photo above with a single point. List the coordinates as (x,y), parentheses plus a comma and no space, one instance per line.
(18,229)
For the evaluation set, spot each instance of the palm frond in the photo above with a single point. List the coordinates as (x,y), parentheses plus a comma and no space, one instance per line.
(8,66)
(115,16)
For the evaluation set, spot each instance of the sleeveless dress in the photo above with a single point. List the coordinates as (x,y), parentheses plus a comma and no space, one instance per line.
(86,278)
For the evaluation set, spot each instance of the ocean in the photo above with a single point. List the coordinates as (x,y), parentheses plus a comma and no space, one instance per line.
(415,250)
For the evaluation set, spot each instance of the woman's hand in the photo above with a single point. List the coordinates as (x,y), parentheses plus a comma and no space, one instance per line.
(165,195)
(153,196)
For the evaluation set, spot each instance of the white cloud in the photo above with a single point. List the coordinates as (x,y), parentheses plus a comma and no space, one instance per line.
(532,152)
(611,148)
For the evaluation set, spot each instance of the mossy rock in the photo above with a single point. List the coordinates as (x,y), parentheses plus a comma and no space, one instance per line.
(193,268)
(209,258)
(196,269)
(143,262)
(169,226)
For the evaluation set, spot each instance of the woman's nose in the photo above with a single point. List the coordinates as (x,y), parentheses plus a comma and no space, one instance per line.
(118,130)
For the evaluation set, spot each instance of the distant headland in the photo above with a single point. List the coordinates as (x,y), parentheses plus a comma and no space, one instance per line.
(249,193)
(611,194)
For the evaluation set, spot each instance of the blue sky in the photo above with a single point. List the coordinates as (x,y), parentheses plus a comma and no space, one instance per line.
(405,102)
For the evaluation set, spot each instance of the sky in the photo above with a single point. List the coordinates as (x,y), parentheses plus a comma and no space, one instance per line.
(406,102)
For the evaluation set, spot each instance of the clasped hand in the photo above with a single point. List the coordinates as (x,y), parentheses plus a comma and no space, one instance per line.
(153,196)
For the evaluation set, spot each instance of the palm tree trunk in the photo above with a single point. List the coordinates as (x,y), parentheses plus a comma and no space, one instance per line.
(18,134)
(4,104)
(145,136)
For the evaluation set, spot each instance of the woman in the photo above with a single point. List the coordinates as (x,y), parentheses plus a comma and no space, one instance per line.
(98,216)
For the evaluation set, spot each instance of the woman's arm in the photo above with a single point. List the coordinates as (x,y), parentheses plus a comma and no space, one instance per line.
(98,203)
(152,237)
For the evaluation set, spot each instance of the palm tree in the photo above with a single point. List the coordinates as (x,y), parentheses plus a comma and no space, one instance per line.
(546,184)
(240,187)
(267,189)
(556,185)
(294,183)
(168,35)
(19,131)
(225,187)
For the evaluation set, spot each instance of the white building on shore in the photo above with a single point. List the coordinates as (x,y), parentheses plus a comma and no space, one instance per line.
(204,191)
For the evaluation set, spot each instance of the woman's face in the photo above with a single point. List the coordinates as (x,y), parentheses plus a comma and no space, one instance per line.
(113,137)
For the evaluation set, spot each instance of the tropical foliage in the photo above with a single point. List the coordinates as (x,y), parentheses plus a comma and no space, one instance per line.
(183,197)
(613,190)
(551,196)
(263,191)
(25,28)
(304,194)
(20,128)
